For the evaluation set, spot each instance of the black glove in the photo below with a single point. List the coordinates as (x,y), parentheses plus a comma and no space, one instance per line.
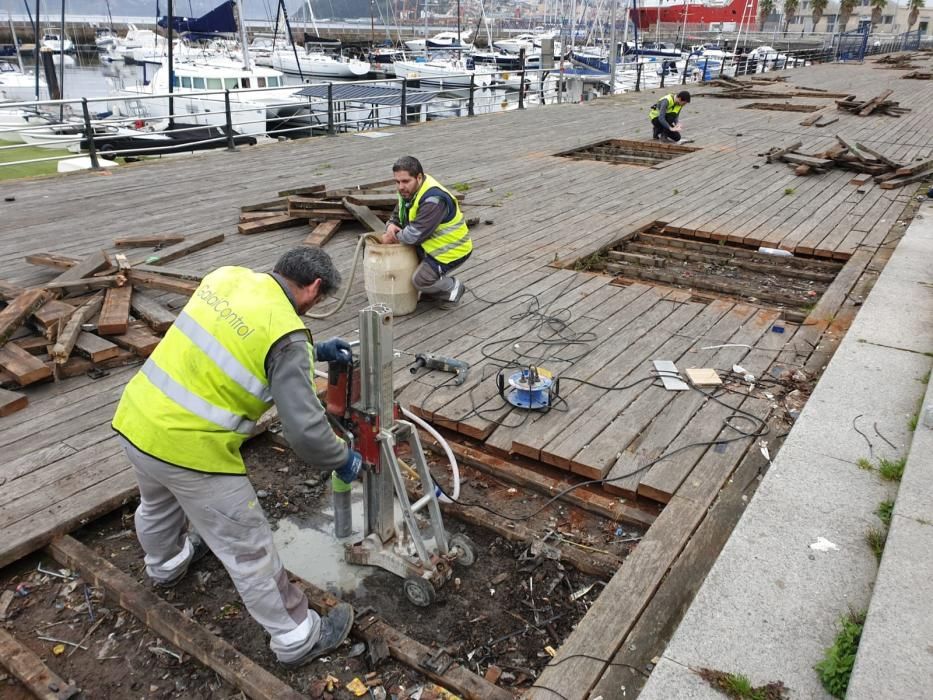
(352,469)
(333,350)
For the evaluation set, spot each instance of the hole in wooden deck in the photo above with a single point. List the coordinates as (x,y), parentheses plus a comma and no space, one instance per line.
(627,152)
(781,107)
(717,270)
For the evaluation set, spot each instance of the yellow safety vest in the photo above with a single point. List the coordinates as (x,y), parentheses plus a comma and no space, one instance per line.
(451,239)
(198,396)
(674,108)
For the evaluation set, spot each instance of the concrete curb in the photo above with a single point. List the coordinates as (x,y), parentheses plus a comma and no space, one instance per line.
(797,561)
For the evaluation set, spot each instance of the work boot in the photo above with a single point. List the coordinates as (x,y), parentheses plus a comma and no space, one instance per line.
(200,551)
(335,628)
(456,294)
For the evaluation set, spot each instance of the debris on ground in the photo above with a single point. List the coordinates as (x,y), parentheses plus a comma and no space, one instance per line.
(738,687)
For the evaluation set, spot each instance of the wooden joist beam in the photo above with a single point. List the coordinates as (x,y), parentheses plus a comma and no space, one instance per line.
(163,619)
(176,272)
(915,168)
(874,102)
(114,315)
(374,201)
(158,317)
(370,627)
(11,402)
(163,283)
(179,250)
(148,239)
(85,284)
(84,268)
(323,232)
(95,348)
(896,182)
(61,351)
(365,216)
(55,260)
(48,315)
(29,670)
(26,368)
(777,153)
(311,189)
(138,339)
(16,312)
(884,159)
(272,223)
(272,205)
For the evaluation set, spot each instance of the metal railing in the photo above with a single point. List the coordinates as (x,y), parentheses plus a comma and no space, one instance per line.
(101,127)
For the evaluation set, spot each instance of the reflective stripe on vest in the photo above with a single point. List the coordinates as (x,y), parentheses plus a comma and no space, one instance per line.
(222,357)
(194,403)
(200,393)
(673,107)
(451,240)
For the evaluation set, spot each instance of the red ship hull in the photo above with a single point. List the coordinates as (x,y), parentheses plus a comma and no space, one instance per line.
(645,17)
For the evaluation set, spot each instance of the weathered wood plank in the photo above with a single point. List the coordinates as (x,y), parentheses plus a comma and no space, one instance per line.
(115,312)
(272,223)
(138,339)
(145,240)
(323,232)
(95,348)
(365,216)
(61,351)
(11,402)
(29,670)
(158,317)
(26,368)
(190,245)
(169,623)
(162,282)
(85,268)
(16,312)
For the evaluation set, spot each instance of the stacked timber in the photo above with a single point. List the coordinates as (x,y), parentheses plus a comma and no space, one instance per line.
(919,75)
(869,163)
(876,105)
(899,61)
(100,311)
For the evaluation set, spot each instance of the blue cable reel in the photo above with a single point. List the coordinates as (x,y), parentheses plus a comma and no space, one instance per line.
(531,388)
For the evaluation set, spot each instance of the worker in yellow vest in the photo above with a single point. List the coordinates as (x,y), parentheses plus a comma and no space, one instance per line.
(238,346)
(665,114)
(427,215)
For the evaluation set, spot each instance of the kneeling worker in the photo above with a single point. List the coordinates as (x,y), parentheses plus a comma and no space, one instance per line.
(428,216)
(665,114)
(237,347)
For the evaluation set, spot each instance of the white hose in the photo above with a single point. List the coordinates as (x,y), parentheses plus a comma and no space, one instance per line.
(346,291)
(454,467)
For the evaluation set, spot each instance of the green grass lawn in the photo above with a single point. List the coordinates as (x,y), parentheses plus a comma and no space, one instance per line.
(13,172)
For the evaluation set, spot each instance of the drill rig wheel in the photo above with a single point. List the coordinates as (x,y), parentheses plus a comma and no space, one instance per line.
(419,591)
(467,550)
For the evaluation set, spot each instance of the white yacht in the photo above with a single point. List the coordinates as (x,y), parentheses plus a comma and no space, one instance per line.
(442,40)
(56,41)
(198,95)
(453,72)
(318,65)
(15,85)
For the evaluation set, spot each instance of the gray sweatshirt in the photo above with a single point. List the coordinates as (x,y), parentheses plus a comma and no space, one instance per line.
(663,105)
(290,368)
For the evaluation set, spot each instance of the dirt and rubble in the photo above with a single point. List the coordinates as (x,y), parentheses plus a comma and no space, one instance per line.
(501,618)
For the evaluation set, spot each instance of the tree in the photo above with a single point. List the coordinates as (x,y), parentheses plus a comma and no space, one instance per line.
(914,6)
(790,9)
(877,8)
(765,10)
(845,12)
(818,7)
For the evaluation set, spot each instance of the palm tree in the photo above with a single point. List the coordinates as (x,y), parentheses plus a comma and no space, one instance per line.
(877,8)
(765,9)
(818,7)
(790,9)
(914,6)
(845,12)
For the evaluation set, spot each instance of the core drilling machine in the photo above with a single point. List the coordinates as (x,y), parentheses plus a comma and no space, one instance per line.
(361,404)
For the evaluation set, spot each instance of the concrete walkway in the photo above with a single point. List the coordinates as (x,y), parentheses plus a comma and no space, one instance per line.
(798,560)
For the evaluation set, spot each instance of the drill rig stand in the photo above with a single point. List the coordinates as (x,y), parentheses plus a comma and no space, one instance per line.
(360,400)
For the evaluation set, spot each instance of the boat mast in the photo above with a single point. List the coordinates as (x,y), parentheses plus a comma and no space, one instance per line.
(458,23)
(288,29)
(61,59)
(612,47)
(171,65)
(36,48)
(241,22)
(19,58)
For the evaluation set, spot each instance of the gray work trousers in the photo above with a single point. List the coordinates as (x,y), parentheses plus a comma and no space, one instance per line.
(225,512)
(431,277)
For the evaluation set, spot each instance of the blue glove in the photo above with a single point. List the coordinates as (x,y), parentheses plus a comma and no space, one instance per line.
(333,350)
(349,472)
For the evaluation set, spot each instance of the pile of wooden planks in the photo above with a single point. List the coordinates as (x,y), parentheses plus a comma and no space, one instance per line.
(869,163)
(100,311)
(745,89)
(876,105)
(323,209)
(901,61)
(919,75)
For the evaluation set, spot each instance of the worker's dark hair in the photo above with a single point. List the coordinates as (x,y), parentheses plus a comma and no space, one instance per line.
(409,164)
(306,264)
(684,95)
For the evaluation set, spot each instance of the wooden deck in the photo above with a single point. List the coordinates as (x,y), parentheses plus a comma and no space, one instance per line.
(61,463)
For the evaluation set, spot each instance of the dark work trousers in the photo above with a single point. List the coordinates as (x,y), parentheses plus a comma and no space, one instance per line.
(661,130)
